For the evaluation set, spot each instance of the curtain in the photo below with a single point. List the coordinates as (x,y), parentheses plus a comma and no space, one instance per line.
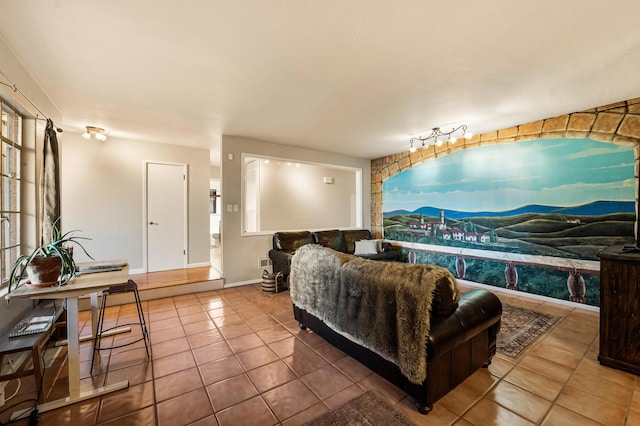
(49,184)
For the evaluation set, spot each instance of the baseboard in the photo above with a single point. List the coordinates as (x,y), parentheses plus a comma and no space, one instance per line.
(531,296)
(241,283)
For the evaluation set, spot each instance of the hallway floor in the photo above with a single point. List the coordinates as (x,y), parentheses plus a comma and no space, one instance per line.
(236,357)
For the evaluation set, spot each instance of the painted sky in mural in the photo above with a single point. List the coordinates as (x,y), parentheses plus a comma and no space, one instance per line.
(552,172)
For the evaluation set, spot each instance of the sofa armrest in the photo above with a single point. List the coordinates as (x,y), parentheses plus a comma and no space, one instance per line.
(281,261)
(386,247)
(477,310)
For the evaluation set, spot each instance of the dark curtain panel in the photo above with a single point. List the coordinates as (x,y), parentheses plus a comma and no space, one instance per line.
(49,184)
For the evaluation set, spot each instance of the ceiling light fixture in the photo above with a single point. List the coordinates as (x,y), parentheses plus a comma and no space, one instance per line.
(437,137)
(96,132)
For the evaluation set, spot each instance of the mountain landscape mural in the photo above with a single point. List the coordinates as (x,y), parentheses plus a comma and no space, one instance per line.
(563,198)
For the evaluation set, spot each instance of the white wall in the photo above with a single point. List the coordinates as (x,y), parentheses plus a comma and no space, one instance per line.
(297,198)
(102,195)
(241,253)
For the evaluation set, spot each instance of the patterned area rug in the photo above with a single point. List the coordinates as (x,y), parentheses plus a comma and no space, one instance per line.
(370,408)
(520,328)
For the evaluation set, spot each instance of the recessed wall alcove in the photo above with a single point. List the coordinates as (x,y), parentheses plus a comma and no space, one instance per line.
(617,123)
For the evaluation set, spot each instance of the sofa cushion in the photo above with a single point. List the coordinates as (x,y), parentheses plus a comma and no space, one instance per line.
(291,241)
(332,239)
(364,247)
(352,235)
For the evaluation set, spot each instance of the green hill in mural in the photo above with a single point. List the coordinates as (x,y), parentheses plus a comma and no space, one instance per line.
(540,234)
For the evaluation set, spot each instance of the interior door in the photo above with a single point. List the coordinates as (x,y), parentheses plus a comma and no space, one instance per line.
(166,216)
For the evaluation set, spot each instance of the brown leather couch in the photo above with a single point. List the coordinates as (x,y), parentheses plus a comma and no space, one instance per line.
(285,245)
(462,339)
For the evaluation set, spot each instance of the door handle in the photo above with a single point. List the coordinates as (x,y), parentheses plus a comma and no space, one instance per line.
(154,223)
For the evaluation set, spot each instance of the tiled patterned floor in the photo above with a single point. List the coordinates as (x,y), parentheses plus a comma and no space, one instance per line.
(237,357)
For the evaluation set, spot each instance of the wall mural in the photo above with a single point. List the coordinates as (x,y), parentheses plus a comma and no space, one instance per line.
(560,198)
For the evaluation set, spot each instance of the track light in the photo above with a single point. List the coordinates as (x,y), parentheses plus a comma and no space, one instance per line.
(434,138)
(96,132)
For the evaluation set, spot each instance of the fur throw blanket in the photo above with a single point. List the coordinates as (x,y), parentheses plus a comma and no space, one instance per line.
(383,306)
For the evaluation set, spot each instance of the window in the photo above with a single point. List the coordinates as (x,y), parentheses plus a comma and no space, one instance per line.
(282,194)
(11,145)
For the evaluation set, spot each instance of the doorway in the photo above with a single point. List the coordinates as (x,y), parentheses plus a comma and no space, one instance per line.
(166,216)
(215,215)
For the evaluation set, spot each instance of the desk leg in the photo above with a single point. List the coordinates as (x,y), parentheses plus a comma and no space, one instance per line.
(94,313)
(73,349)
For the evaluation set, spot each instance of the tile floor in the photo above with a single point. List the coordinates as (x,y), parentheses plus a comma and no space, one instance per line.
(237,357)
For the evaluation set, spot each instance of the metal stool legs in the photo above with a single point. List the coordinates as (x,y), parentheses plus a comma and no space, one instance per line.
(130,286)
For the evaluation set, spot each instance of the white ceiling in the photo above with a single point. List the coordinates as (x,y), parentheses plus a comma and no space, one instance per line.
(348,76)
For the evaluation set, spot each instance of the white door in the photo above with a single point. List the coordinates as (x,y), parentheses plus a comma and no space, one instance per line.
(166,216)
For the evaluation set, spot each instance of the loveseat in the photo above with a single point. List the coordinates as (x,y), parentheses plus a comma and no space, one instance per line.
(406,322)
(352,241)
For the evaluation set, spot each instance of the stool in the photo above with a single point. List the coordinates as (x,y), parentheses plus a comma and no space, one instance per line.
(130,286)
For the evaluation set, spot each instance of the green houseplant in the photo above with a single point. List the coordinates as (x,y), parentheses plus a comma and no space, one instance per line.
(49,264)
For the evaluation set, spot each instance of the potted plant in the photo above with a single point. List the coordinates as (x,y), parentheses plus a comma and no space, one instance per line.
(49,264)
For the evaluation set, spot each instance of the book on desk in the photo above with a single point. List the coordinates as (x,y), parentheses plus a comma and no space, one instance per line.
(101,267)
(32,325)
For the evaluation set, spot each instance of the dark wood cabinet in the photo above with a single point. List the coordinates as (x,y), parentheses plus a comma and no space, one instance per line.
(620,309)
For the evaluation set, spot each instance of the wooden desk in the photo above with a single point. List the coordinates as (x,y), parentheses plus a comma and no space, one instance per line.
(81,285)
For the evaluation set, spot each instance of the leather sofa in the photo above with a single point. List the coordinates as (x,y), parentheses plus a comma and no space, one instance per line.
(461,337)
(285,245)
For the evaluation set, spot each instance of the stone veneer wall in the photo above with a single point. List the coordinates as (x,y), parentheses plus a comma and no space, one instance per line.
(617,123)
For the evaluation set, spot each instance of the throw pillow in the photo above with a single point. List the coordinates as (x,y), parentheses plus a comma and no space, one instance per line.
(366,247)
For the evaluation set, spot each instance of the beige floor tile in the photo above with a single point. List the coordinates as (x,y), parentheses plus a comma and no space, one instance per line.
(635,400)
(344,395)
(306,415)
(500,366)
(560,416)
(327,381)
(488,412)
(175,384)
(547,367)
(596,369)
(271,375)
(231,391)
(605,389)
(304,362)
(255,409)
(439,415)
(591,406)
(556,354)
(563,343)
(244,343)
(386,388)
(534,382)
(185,408)
(460,399)
(633,419)
(520,401)
(257,357)
(221,369)
(290,399)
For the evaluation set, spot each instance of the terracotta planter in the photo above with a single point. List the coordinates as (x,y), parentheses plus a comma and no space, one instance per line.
(44,271)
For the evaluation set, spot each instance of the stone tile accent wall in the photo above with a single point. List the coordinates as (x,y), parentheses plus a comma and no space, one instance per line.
(617,123)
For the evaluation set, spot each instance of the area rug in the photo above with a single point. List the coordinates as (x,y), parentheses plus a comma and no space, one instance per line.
(370,409)
(520,328)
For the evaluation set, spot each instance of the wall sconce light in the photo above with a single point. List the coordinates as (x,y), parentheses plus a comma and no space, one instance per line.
(436,137)
(96,132)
